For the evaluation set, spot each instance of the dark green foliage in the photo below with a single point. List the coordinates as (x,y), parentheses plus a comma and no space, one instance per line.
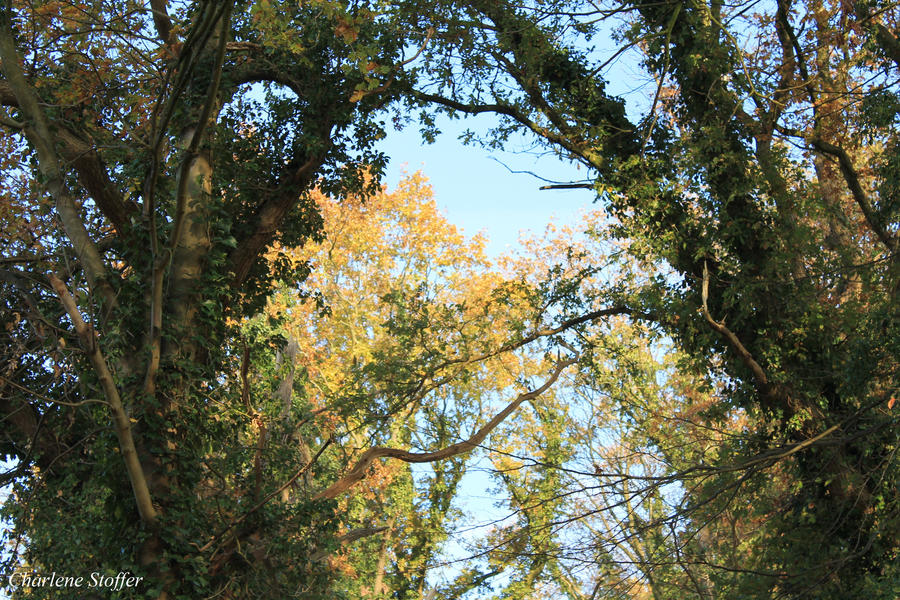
(753,216)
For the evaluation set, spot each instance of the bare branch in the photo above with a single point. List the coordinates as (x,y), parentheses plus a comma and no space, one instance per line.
(515,114)
(567,186)
(44,398)
(359,470)
(120,418)
(759,375)
(552,184)
(360,533)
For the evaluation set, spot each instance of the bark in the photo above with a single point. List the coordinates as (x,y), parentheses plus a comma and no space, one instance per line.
(378,588)
(269,216)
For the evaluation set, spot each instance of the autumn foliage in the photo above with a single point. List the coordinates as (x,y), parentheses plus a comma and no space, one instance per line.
(235,365)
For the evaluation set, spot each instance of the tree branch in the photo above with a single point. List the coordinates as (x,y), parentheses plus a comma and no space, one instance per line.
(268,497)
(39,133)
(198,132)
(513,113)
(82,155)
(852,179)
(269,217)
(350,537)
(161,19)
(759,375)
(257,70)
(359,470)
(92,174)
(120,418)
(26,421)
(548,331)
(567,186)
(888,41)
(187,248)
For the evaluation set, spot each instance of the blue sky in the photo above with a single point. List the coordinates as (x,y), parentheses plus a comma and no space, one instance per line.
(478,193)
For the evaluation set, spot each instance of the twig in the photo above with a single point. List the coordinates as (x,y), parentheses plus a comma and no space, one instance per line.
(46,399)
(551,183)
(567,186)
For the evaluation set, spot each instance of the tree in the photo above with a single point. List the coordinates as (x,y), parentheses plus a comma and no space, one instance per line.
(743,188)
(393,287)
(155,153)
(410,338)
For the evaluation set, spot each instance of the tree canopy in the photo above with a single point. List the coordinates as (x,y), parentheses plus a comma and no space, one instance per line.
(226,344)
